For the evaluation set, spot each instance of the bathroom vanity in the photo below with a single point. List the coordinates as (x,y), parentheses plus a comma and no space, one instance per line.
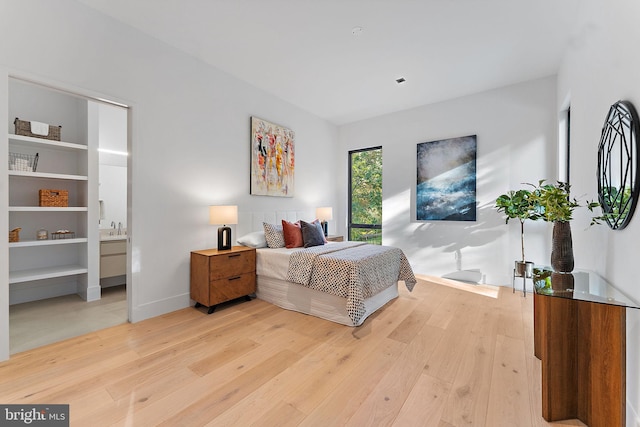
(113,260)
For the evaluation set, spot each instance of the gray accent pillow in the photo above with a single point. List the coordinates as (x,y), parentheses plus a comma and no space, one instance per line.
(312,234)
(273,235)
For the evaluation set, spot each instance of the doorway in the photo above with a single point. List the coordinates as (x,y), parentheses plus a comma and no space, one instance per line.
(112,193)
(70,298)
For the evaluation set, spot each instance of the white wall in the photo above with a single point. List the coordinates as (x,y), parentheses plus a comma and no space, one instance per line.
(113,195)
(112,124)
(190,137)
(516,139)
(601,67)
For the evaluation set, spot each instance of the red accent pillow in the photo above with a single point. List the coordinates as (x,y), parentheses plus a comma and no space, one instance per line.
(292,234)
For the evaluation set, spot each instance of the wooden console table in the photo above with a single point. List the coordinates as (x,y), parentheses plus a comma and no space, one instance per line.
(580,337)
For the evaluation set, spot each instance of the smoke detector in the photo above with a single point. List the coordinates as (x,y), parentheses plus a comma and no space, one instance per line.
(357,31)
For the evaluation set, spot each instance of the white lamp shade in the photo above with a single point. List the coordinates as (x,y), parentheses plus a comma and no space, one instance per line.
(223,215)
(324,214)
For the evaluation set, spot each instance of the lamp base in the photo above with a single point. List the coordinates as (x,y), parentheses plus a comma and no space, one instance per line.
(325,227)
(224,238)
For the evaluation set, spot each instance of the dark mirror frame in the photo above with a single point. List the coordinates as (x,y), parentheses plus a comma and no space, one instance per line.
(618,172)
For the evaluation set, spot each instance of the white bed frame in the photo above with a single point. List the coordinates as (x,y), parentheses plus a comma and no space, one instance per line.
(292,296)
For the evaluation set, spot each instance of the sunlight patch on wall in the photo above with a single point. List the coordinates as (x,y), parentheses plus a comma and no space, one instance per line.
(396,207)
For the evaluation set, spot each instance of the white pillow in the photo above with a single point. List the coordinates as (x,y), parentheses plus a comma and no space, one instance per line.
(254,240)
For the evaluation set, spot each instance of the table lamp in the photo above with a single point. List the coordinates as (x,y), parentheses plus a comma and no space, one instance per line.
(324,215)
(223,215)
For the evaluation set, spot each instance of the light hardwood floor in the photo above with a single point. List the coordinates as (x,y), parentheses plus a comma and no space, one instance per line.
(443,355)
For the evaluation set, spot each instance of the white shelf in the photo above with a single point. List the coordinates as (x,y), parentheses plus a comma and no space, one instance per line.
(46,273)
(47,209)
(49,175)
(28,141)
(48,242)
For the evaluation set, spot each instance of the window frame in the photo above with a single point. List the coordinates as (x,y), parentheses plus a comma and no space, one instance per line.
(350,224)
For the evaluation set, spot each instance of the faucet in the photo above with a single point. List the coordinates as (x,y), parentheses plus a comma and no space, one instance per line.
(113,226)
(119,229)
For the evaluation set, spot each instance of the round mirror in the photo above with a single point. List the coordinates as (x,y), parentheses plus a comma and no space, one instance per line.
(617,165)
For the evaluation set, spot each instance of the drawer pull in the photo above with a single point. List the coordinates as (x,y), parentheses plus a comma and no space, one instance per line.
(234,278)
(234,256)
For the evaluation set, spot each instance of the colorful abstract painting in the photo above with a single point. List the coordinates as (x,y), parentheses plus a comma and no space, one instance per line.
(446,187)
(272,159)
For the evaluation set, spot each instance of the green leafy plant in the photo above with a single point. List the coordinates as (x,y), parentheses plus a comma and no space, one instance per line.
(542,278)
(518,205)
(553,202)
(616,203)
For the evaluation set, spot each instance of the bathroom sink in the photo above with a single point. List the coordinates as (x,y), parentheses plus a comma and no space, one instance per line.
(115,237)
(110,234)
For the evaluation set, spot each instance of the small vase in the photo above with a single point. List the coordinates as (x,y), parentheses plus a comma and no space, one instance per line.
(562,248)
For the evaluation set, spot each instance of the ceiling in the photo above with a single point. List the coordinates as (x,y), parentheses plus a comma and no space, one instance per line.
(304,51)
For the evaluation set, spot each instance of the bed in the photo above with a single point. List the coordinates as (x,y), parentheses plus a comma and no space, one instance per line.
(344,282)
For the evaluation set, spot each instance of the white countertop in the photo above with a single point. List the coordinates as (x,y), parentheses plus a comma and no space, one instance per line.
(110,234)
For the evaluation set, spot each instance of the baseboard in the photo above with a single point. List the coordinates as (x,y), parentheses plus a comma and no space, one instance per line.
(468,276)
(160,307)
(92,294)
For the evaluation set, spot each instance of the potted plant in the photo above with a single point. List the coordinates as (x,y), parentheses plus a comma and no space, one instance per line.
(553,203)
(519,205)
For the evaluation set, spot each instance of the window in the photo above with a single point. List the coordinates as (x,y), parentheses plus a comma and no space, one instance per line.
(568,159)
(365,195)
(564,146)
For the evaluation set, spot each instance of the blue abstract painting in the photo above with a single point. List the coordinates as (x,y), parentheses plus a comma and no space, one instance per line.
(446,187)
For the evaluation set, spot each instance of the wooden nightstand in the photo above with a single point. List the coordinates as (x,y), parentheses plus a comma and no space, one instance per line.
(334,238)
(220,276)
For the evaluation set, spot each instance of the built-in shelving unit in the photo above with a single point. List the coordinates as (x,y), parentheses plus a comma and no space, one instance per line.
(49,267)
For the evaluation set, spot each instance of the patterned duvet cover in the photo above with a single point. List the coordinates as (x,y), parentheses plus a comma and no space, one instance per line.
(352,270)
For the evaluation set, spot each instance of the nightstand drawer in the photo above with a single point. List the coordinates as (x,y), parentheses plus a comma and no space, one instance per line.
(232,264)
(219,276)
(231,287)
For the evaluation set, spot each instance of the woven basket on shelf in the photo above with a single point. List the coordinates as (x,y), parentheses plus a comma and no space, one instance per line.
(58,235)
(23,162)
(54,198)
(23,127)
(14,235)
